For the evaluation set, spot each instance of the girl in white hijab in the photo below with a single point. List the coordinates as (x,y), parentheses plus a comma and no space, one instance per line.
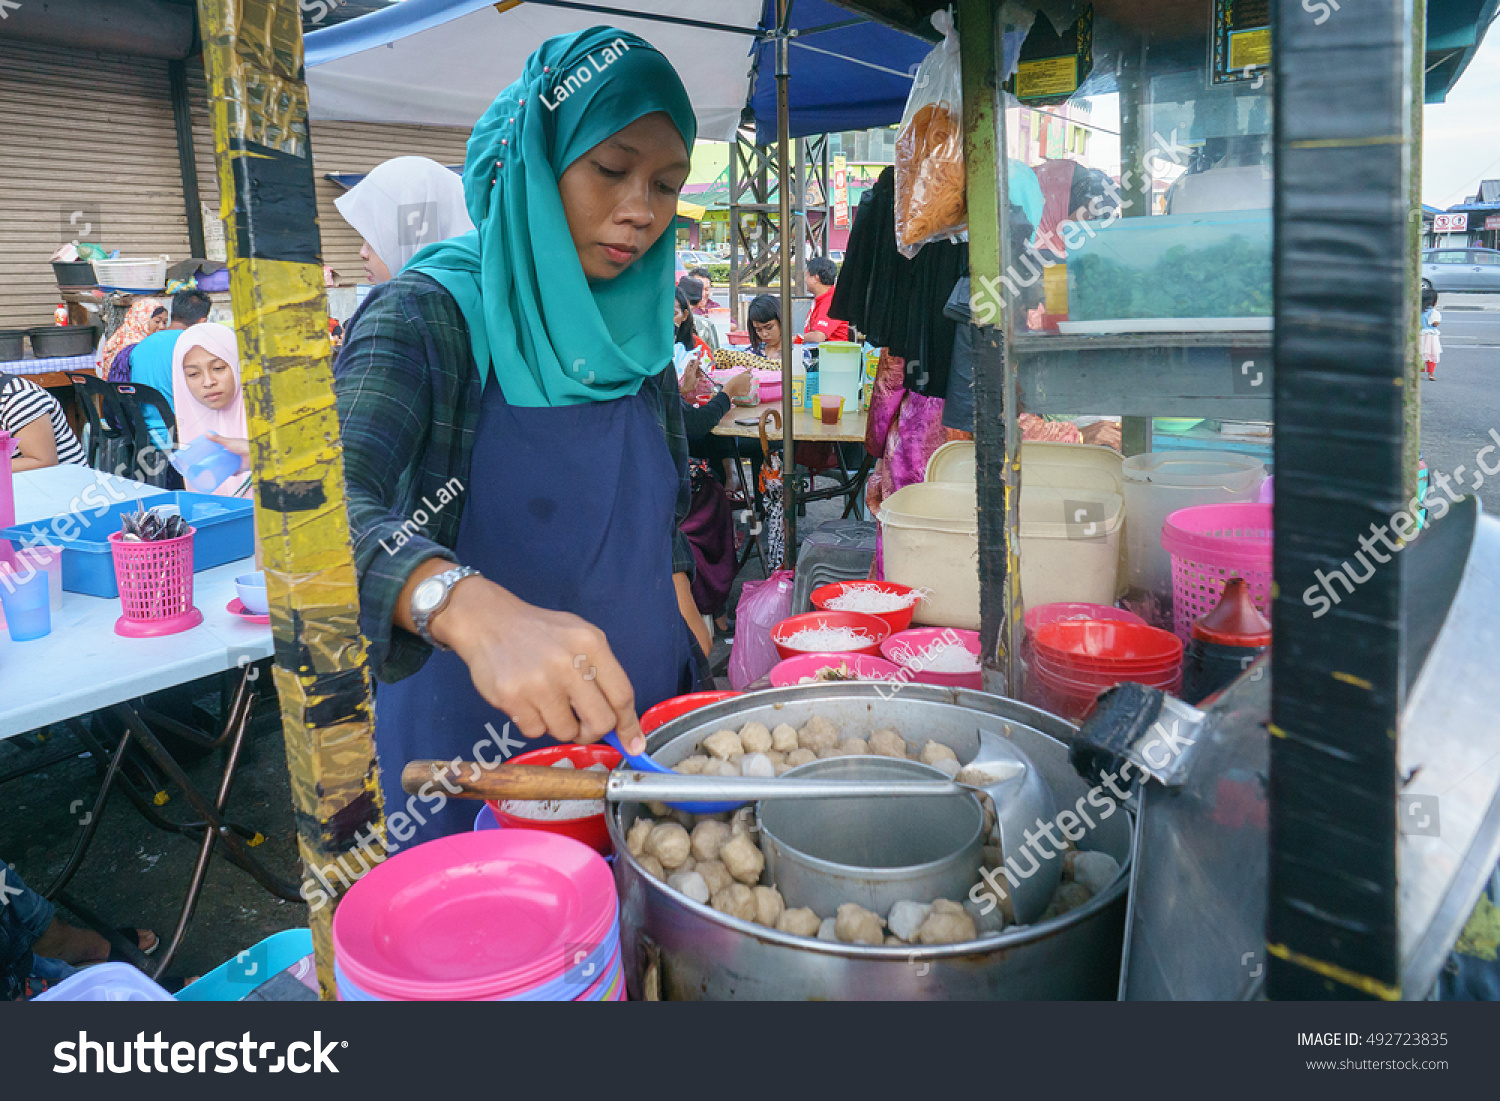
(401,207)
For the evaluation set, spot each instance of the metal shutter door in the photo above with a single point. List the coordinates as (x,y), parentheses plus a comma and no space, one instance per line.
(82,130)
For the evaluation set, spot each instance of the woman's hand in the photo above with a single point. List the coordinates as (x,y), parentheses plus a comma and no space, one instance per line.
(687,385)
(232,443)
(739,386)
(551,672)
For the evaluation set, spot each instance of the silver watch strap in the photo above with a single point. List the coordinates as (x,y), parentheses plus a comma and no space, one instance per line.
(448,578)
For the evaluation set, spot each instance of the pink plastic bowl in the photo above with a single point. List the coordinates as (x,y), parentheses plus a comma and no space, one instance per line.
(907,647)
(878,630)
(785,674)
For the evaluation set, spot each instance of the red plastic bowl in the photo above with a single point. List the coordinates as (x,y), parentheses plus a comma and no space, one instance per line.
(1082,679)
(591,830)
(678,706)
(1108,641)
(785,674)
(907,648)
(1050,613)
(874,626)
(899,620)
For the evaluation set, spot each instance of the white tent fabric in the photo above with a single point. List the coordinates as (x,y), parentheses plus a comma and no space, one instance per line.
(442,62)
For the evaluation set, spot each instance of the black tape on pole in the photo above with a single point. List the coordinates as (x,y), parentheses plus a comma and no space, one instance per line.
(275,205)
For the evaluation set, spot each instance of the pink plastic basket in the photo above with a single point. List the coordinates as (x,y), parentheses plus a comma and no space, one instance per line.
(156,585)
(1210,544)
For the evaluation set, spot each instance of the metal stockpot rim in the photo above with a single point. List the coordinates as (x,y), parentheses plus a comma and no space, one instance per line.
(710,718)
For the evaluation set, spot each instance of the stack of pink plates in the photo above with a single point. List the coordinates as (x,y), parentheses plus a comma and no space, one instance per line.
(494,915)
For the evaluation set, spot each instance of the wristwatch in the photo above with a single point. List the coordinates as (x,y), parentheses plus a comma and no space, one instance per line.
(431,596)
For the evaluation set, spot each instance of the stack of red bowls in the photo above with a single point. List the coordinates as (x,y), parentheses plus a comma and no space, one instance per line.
(1074,660)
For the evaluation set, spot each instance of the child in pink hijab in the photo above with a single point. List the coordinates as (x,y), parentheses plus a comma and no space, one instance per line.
(207,394)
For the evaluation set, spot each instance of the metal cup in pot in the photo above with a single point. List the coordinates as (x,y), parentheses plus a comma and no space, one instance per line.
(876,852)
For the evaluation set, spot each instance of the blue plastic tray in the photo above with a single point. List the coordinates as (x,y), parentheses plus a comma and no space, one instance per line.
(225,533)
(234,978)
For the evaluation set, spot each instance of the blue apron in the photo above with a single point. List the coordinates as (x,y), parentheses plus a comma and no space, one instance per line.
(571,508)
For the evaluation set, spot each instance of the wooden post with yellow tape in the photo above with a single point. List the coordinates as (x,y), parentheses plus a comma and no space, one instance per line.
(252,53)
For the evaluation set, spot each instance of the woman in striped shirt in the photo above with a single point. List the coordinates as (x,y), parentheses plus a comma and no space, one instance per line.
(36,423)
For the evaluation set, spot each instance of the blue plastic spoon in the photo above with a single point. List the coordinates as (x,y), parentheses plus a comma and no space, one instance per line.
(643,763)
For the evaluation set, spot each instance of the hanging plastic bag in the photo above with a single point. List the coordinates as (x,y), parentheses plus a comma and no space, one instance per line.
(763,604)
(930,200)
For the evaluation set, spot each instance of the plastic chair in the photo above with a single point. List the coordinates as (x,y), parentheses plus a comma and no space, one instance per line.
(136,398)
(109,433)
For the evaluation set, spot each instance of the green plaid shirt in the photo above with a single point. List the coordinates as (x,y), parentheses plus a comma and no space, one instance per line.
(408,395)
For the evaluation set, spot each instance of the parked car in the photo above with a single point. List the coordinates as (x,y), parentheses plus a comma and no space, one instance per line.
(1472,270)
(693,258)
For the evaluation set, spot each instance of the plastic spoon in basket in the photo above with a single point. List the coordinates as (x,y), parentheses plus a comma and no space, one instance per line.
(519,782)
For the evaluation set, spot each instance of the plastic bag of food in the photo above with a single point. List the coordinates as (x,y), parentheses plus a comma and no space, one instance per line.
(763,604)
(930,199)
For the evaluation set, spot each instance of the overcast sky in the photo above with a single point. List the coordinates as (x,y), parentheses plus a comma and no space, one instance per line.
(1461,138)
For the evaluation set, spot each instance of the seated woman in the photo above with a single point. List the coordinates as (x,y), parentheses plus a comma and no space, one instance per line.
(35,421)
(207,393)
(763,319)
(145,317)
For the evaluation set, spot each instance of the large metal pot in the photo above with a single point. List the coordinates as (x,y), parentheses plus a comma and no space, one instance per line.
(688,951)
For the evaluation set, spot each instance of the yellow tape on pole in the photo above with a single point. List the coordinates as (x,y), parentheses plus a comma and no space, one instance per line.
(253,62)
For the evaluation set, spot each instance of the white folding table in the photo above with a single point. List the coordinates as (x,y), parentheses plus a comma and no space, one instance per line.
(83,666)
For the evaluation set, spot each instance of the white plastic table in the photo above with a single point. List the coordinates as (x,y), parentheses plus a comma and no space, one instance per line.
(82,666)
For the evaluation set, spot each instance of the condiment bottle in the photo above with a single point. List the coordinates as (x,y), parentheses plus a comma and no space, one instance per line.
(1225,643)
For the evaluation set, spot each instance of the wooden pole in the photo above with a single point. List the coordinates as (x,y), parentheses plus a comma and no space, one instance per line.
(253,61)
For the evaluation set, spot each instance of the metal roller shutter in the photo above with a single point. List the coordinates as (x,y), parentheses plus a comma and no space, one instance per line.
(82,131)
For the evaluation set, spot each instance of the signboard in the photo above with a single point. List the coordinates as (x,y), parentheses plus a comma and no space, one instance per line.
(1241,42)
(1450,223)
(1492,222)
(840,191)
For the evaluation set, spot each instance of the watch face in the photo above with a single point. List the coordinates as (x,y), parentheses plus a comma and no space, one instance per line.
(428,595)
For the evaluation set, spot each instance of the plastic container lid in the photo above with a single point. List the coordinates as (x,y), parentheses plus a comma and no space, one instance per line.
(953,462)
(1071,466)
(1194,469)
(935,506)
(106,982)
(1235,621)
(474,916)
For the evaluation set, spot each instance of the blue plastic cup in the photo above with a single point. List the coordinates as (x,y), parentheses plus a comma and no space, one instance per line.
(27,603)
(206,465)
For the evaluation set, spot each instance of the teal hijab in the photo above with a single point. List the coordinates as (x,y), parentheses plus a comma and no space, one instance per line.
(517,278)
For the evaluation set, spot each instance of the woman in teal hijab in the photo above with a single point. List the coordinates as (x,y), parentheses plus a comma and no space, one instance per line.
(514,453)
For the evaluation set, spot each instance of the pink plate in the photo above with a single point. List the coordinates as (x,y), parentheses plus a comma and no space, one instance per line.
(234,607)
(473,916)
(790,671)
(906,649)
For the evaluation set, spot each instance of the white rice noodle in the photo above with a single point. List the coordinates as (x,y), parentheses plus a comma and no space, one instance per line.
(817,640)
(871,600)
(940,657)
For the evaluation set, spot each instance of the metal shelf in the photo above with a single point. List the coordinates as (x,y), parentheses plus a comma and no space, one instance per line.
(1226,375)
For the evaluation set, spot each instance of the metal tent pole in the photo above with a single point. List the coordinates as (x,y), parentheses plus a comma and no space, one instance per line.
(784,186)
(258,101)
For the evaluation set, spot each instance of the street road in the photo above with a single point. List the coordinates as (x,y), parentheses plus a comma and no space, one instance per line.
(1460,409)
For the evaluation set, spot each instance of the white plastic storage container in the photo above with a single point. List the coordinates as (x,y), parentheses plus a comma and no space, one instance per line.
(1072,513)
(841,368)
(931,541)
(1161,482)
